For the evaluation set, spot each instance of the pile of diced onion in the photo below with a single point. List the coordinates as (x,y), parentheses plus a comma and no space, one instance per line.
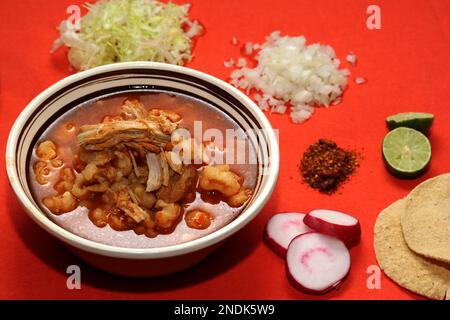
(291,74)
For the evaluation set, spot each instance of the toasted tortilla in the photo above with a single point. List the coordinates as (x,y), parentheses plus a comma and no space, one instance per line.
(426,220)
(406,268)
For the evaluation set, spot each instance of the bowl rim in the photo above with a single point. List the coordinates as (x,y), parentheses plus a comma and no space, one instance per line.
(141,253)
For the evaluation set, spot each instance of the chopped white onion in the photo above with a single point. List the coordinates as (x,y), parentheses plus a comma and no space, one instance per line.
(278,109)
(229,63)
(241,63)
(351,58)
(289,72)
(248,48)
(360,80)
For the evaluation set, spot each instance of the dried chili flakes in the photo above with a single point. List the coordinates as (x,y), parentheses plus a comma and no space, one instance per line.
(325,166)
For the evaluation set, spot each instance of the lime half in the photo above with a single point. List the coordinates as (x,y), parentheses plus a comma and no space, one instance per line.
(415,120)
(406,152)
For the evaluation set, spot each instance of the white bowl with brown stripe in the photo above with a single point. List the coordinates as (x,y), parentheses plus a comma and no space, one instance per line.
(73,90)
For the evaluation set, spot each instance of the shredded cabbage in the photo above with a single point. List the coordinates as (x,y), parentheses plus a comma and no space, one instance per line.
(129,30)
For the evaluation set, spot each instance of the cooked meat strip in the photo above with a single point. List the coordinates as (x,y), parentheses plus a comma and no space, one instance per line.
(164,169)
(126,204)
(101,136)
(133,109)
(98,158)
(155,178)
(179,185)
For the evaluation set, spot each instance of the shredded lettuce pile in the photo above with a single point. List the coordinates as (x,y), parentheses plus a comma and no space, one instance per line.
(129,30)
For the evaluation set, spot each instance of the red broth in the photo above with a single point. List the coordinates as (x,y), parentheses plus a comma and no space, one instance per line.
(63,133)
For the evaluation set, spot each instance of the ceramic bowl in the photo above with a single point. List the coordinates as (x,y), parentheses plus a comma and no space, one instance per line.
(139,76)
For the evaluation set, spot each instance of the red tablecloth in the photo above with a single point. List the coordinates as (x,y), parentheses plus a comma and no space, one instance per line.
(407,67)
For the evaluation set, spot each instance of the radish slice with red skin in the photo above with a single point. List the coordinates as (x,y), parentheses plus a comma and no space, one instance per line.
(282,228)
(336,224)
(317,263)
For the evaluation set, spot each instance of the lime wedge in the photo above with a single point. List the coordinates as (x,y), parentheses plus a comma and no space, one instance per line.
(406,152)
(414,120)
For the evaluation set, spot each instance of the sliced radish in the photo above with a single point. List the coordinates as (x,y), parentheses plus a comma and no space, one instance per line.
(282,228)
(317,263)
(336,224)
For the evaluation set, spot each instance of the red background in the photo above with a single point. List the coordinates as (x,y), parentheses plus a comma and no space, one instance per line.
(407,67)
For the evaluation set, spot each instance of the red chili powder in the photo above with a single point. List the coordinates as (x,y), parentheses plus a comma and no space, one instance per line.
(325,166)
